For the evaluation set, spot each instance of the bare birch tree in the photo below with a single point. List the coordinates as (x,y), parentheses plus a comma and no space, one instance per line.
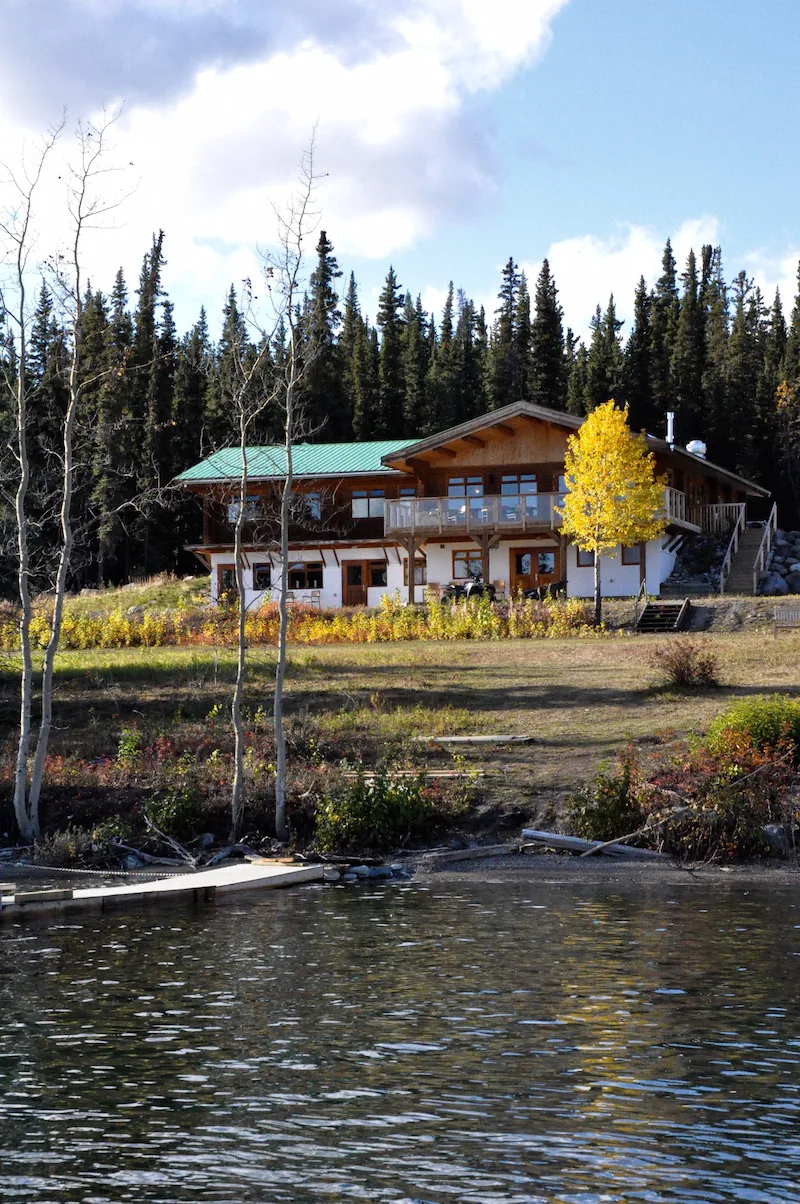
(283,272)
(85,209)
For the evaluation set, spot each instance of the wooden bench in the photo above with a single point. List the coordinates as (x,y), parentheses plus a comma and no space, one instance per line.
(786,618)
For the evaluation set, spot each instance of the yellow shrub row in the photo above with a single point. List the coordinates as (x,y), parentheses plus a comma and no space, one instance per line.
(393,621)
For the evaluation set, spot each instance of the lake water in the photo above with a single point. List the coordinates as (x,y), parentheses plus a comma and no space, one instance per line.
(439,1043)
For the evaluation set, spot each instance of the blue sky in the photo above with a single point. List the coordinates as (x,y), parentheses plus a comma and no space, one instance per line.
(454,133)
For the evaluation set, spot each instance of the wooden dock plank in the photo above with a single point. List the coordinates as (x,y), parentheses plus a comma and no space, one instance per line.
(205,884)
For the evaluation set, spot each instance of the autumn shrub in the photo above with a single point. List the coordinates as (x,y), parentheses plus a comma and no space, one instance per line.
(381,812)
(176,811)
(609,806)
(686,664)
(764,723)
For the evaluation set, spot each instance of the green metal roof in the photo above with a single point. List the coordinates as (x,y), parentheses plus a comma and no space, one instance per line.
(308,460)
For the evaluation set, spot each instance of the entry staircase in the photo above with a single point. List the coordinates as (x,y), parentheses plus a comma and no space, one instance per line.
(658,617)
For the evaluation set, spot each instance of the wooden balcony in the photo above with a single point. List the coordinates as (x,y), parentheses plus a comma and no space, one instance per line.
(515,513)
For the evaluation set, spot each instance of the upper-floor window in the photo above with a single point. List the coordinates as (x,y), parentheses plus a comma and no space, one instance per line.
(465,487)
(368,503)
(408,491)
(252,509)
(313,505)
(518,482)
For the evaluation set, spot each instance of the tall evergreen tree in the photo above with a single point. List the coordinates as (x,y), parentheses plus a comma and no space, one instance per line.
(714,296)
(366,381)
(637,387)
(322,389)
(416,355)
(604,361)
(688,358)
(578,381)
(470,352)
(663,328)
(503,376)
(233,349)
(548,369)
(389,421)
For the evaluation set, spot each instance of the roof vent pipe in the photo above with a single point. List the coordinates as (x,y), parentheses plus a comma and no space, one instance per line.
(697,447)
(670,427)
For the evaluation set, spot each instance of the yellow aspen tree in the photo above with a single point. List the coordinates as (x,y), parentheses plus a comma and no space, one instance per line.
(613,494)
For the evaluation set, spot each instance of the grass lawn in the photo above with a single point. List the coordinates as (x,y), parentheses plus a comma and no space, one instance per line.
(580,699)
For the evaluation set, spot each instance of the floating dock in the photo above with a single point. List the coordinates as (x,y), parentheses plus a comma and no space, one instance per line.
(204,886)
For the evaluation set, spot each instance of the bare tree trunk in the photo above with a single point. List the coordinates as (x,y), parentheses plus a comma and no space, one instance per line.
(28,828)
(597,595)
(92,140)
(237,790)
(283,601)
(64,560)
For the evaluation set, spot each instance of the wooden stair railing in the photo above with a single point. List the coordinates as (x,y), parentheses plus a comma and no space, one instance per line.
(733,547)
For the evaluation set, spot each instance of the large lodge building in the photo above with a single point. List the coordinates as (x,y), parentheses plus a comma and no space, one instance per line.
(476,499)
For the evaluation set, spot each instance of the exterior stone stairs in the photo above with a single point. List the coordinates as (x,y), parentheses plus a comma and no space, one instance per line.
(740,578)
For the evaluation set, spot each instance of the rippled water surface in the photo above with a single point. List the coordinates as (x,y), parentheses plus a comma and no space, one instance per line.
(455,1043)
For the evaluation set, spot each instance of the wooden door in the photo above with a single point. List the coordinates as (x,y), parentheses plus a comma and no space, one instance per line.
(354,583)
(534,567)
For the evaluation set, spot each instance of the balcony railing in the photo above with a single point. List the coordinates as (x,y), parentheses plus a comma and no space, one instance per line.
(515,512)
(446,515)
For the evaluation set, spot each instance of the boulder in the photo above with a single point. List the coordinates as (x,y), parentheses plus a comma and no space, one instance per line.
(774,585)
(349,878)
(360,871)
(794,567)
(793,582)
(329,874)
(380,871)
(779,839)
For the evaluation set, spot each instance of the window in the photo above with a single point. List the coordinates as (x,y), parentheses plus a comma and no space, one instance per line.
(518,482)
(632,555)
(305,576)
(226,579)
(465,487)
(377,572)
(466,565)
(546,563)
(252,509)
(408,491)
(368,503)
(313,506)
(420,572)
(585,559)
(262,576)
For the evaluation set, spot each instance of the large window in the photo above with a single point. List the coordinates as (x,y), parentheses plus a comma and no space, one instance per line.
(226,579)
(368,503)
(262,576)
(305,575)
(518,496)
(252,509)
(461,493)
(313,506)
(465,487)
(377,572)
(466,565)
(420,572)
(585,559)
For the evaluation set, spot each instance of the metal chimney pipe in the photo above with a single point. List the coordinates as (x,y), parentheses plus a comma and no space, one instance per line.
(670,427)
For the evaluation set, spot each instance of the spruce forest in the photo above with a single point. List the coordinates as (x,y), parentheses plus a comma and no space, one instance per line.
(717,353)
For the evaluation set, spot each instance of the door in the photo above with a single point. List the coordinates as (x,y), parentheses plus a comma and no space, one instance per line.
(354,583)
(534,567)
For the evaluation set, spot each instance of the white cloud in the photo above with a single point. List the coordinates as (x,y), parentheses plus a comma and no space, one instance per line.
(400,131)
(587,269)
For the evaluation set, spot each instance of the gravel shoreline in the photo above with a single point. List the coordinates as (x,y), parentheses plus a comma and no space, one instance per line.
(556,869)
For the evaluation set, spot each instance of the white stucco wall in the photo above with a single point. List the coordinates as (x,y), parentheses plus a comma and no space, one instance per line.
(618,580)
